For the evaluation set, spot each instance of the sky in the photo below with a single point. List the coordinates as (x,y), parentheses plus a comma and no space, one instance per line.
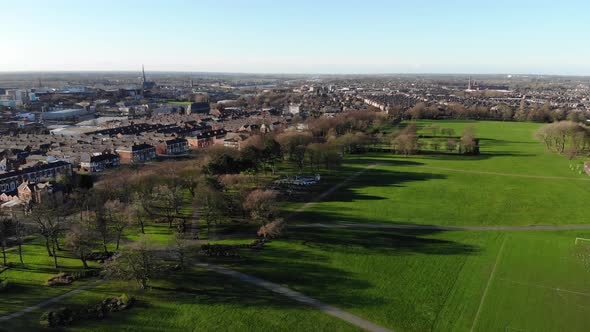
(304,36)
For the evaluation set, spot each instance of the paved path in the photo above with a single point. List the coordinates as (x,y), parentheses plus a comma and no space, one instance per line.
(50,301)
(296,296)
(545,177)
(444,228)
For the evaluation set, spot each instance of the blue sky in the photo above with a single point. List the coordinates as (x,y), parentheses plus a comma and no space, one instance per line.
(321,36)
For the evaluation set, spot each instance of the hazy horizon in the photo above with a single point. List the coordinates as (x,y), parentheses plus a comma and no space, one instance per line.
(305,37)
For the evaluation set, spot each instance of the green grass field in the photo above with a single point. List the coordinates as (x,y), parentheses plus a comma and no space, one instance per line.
(426,280)
(193,301)
(406,280)
(528,186)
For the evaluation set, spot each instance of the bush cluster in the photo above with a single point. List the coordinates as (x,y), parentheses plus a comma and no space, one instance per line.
(65,316)
(64,279)
(230,249)
(99,256)
(4,285)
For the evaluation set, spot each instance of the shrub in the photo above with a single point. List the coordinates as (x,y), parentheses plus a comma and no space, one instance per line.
(60,317)
(4,284)
(271,230)
(124,298)
(100,256)
(62,279)
(64,316)
(230,249)
(85,274)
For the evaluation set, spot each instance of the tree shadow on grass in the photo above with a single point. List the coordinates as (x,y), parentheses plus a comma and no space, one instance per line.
(306,272)
(389,242)
(301,260)
(210,288)
(374,177)
(452,156)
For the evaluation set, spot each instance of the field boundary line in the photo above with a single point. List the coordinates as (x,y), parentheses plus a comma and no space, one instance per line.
(296,296)
(545,177)
(556,289)
(490,279)
(50,301)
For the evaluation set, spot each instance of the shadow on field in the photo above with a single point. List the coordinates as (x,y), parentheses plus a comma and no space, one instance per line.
(210,288)
(448,156)
(306,272)
(301,260)
(366,241)
(375,177)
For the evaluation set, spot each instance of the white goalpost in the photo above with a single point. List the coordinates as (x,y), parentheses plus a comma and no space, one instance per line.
(582,240)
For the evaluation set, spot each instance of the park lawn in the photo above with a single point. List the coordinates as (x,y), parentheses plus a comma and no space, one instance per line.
(442,189)
(398,279)
(27,285)
(419,280)
(506,147)
(404,193)
(351,165)
(197,300)
(158,234)
(406,280)
(157,229)
(539,285)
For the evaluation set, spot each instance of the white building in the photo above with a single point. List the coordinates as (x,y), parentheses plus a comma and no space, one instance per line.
(293,109)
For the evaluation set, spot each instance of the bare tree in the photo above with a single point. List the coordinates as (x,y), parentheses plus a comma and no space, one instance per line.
(237,186)
(50,221)
(81,240)
(565,136)
(119,218)
(293,145)
(451,144)
(435,144)
(6,231)
(212,205)
(99,222)
(171,200)
(19,233)
(468,142)
(180,248)
(136,262)
(262,205)
(406,141)
(137,211)
(271,230)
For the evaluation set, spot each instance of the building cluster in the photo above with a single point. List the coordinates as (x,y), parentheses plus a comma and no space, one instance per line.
(93,124)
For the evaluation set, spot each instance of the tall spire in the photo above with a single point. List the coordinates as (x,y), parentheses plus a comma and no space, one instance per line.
(143,73)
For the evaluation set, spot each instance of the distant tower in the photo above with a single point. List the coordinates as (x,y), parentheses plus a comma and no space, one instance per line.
(469,84)
(143,77)
(40,86)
